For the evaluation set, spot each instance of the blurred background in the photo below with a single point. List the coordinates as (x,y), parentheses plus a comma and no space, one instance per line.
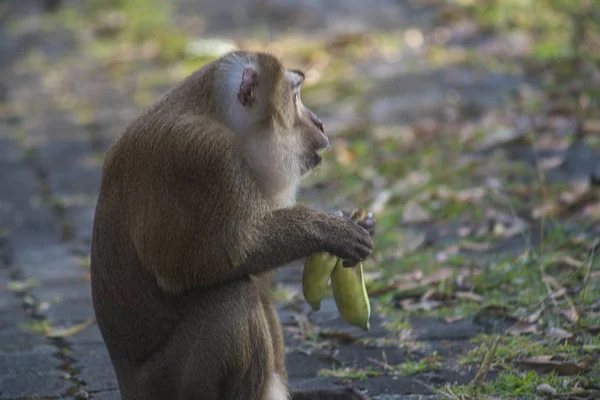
(471,129)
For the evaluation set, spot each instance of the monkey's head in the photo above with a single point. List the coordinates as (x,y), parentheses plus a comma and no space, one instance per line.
(264,108)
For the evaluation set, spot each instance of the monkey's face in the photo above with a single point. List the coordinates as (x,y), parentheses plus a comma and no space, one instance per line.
(307,129)
(269,103)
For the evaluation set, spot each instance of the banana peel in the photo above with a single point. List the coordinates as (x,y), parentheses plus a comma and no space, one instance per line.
(350,291)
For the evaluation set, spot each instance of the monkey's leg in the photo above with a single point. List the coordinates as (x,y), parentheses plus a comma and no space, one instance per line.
(227,346)
(264,283)
(337,394)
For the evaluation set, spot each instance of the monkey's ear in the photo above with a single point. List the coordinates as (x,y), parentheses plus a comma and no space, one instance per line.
(246,95)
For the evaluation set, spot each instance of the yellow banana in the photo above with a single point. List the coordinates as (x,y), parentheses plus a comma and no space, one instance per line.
(349,290)
(315,275)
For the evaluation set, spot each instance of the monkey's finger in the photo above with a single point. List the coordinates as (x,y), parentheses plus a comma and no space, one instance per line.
(349,263)
(368,224)
(360,254)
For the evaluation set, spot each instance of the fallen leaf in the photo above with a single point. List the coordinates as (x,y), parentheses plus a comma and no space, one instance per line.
(414,213)
(451,320)
(427,305)
(344,337)
(500,136)
(534,317)
(443,255)
(545,389)
(591,126)
(64,332)
(521,328)
(558,333)
(442,274)
(22,286)
(571,314)
(551,162)
(546,364)
(580,194)
(469,296)
(568,260)
(476,246)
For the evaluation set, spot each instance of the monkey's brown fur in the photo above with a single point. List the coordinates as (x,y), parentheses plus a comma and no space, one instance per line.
(188,227)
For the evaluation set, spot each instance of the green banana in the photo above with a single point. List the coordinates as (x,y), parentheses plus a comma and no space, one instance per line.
(350,294)
(317,270)
(349,290)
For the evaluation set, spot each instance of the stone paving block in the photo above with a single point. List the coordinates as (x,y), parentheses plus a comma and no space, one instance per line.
(32,373)
(70,312)
(89,336)
(435,329)
(301,365)
(13,339)
(98,378)
(106,395)
(50,263)
(358,356)
(328,317)
(95,368)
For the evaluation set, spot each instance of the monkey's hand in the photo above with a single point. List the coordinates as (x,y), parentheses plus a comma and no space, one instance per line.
(367,223)
(349,240)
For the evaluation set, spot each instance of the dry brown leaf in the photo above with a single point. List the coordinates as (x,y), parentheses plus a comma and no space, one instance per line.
(344,337)
(476,246)
(427,305)
(521,328)
(535,316)
(64,332)
(571,314)
(545,389)
(443,255)
(592,210)
(464,231)
(415,214)
(570,261)
(469,296)
(558,333)
(551,162)
(579,194)
(499,137)
(592,126)
(546,364)
(442,274)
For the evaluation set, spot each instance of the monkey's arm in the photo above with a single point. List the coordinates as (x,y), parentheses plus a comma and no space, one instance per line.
(292,233)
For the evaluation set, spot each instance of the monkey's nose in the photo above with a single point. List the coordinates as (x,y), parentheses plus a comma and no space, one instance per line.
(315,120)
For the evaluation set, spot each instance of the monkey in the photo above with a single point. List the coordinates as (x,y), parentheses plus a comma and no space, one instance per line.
(196,210)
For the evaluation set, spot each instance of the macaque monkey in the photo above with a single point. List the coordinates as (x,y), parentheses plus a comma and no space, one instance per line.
(196,209)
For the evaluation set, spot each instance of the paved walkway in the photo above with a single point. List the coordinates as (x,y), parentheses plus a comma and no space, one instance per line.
(49,176)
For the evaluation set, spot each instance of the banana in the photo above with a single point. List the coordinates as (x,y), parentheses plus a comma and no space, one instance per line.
(349,290)
(317,270)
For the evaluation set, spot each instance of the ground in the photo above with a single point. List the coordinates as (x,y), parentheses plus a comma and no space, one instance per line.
(472,134)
